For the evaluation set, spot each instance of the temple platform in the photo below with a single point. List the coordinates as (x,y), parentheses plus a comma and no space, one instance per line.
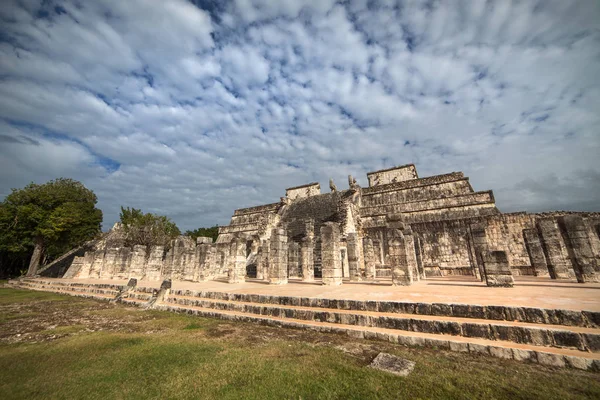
(527,292)
(555,323)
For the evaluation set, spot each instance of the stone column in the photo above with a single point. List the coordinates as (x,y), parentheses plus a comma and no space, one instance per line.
(330,254)
(536,252)
(497,269)
(138,262)
(206,261)
(307,259)
(293,260)
(580,249)
(237,261)
(396,259)
(154,265)
(354,257)
(419,252)
(264,260)
(370,258)
(480,246)
(411,255)
(278,257)
(122,263)
(554,249)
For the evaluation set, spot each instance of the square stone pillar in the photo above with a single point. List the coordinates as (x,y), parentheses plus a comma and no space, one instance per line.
(580,249)
(237,261)
(555,250)
(154,265)
(536,252)
(370,258)
(396,259)
(480,246)
(278,257)
(138,261)
(354,248)
(293,260)
(264,259)
(411,255)
(497,269)
(206,261)
(419,253)
(307,259)
(331,259)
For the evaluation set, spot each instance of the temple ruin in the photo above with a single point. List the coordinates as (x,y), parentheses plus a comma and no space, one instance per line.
(400,229)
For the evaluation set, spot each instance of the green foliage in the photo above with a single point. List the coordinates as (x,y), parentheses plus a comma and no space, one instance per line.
(211,232)
(147,229)
(56,216)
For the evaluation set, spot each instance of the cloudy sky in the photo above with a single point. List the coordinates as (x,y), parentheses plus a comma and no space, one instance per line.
(193,109)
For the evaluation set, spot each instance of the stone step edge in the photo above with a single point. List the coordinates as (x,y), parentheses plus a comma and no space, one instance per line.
(546,356)
(536,335)
(422,317)
(495,313)
(90,295)
(86,289)
(535,354)
(35,281)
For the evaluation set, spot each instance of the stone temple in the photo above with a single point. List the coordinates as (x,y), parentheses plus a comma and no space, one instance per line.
(406,260)
(400,229)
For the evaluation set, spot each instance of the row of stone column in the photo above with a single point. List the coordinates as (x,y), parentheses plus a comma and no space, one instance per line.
(563,248)
(560,248)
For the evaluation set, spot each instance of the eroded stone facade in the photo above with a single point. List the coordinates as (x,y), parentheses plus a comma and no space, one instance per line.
(401,227)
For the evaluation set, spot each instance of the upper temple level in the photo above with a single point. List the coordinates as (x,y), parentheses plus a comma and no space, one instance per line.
(391,191)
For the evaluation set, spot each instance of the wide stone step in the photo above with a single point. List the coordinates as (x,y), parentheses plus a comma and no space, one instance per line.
(91,289)
(87,294)
(495,313)
(585,339)
(552,356)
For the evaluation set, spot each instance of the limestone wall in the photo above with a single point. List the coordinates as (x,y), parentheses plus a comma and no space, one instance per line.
(391,175)
(300,192)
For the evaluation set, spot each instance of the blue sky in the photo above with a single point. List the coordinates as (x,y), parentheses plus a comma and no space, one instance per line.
(193,109)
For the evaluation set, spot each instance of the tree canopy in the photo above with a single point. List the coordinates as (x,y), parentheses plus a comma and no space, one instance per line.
(147,229)
(47,219)
(211,232)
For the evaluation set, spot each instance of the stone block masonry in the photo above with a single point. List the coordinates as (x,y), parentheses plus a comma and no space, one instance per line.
(330,254)
(444,226)
(278,257)
(536,252)
(497,270)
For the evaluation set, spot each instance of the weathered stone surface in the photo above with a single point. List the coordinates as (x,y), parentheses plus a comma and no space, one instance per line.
(330,254)
(390,363)
(555,250)
(445,228)
(307,252)
(550,359)
(497,270)
(535,252)
(278,258)
(237,262)
(579,248)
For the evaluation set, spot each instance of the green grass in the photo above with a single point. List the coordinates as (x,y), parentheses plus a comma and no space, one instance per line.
(159,355)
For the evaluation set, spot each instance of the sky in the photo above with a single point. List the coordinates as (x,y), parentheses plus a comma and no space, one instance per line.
(194,109)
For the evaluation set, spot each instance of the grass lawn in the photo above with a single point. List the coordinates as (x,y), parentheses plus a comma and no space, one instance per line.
(61,347)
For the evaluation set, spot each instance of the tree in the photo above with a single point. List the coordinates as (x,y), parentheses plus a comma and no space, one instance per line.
(147,229)
(48,219)
(212,233)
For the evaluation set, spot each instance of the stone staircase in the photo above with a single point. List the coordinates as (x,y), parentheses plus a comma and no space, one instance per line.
(547,336)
